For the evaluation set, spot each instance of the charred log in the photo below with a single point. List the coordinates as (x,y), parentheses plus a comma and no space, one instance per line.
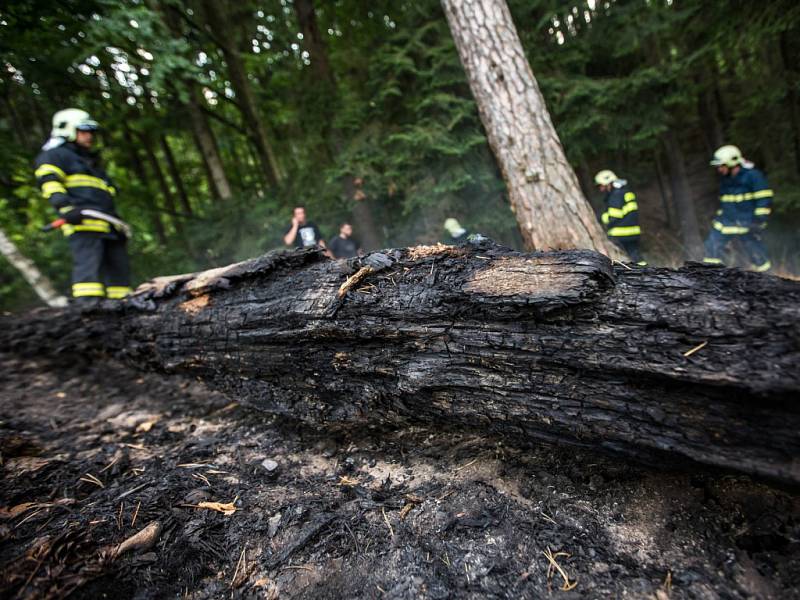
(699,363)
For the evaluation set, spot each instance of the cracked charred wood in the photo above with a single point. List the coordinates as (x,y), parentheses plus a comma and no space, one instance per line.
(699,363)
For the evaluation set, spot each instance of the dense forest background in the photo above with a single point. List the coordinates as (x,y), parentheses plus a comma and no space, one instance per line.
(220,115)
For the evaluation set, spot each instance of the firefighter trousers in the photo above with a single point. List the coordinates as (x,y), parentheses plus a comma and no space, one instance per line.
(717,241)
(100,265)
(631,246)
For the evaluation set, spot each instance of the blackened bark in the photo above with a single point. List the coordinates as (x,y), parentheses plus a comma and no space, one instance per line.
(698,363)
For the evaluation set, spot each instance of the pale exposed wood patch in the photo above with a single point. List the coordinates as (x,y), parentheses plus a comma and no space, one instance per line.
(195,305)
(418,252)
(513,276)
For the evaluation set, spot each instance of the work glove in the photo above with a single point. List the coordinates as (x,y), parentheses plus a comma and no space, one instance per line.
(73,217)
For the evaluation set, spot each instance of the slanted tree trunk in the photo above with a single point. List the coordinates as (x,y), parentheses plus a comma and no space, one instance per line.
(219,25)
(682,198)
(655,364)
(27,268)
(542,186)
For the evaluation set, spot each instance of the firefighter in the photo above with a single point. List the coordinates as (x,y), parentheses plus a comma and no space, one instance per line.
(72,179)
(457,233)
(621,217)
(745,205)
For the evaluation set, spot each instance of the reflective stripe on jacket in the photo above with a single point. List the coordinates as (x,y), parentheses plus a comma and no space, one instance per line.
(745,198)
(621,217)
(70,177)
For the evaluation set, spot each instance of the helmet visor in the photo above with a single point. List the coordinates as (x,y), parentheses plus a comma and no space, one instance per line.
(87,125)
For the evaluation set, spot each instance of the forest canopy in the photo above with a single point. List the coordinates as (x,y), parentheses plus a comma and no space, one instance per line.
(218,117)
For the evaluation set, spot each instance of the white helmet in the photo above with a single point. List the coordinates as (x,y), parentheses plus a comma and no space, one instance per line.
(453,227)
(67,122)
(729,156)
(605,177)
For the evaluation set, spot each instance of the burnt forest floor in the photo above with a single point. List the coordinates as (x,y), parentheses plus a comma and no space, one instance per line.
(236,505)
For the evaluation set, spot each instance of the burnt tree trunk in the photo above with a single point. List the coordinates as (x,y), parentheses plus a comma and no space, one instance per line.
(698,363)
(542,187)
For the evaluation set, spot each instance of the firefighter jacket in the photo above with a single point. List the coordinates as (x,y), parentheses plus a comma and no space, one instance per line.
(745,201)
(71,178)
(621,217)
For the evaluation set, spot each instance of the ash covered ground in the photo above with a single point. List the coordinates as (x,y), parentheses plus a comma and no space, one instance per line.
(233,503)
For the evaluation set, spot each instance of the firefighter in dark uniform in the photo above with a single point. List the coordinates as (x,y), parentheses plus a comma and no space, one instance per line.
(72,179)
(621,217)
(745,205)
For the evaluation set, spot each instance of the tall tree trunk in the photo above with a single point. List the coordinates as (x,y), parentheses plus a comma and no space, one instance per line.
(141,173)
(682,198)
(218,24)
(313,41)
(39,282)
(542,186)
(166,193)
(209,151)
(363,219)
(201,128)
(175,174)
(790,76)
(666,205)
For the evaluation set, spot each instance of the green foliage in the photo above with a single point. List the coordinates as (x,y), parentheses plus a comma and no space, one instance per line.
(394,111)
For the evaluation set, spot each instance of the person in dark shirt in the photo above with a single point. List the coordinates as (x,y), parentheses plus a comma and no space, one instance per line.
(302,233)
(343,245)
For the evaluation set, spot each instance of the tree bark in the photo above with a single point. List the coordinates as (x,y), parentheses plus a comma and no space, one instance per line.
(209,151)
(29,271)
(175,173)
(654,364)
(362,215)
(682,198)
(169,199)
(312,40)
(218,23)
(138,167)
(542,186)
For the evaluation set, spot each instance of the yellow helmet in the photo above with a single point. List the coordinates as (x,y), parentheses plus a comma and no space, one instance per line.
(730,156)
(67,122)
(453,227)
(605,177)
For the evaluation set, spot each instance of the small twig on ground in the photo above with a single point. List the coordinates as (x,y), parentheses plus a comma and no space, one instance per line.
(119,515)
(389,525)
(109,465)
(696,348)
(136,513)
(469,464)
(298,567)
(238,565)
(131,491)
(554,566)
(202,478)
(89,478)
(548,518)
